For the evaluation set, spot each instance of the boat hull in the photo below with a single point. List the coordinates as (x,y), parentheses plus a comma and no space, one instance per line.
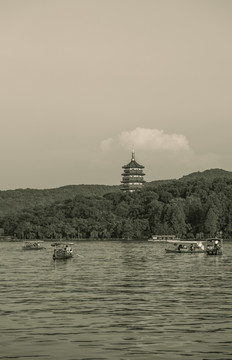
(182,251)
(26,248)
(61,257)
(214,252)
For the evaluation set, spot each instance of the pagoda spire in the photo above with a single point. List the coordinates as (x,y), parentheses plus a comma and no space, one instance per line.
(133,154)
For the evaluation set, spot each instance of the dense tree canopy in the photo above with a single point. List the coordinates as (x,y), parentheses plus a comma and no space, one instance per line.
(196,208)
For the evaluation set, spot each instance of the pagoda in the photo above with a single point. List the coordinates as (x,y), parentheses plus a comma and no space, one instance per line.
(132,177)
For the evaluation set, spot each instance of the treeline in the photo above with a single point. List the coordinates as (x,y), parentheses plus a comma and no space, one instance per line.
(13,201)
(190,209)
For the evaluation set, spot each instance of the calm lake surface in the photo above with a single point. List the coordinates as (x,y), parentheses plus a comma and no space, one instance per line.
(121,300)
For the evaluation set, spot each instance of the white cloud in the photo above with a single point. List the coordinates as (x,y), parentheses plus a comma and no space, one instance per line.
(163,155)
(153,139)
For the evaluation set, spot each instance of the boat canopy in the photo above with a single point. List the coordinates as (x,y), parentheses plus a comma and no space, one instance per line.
(189,242)
(214,239)
(60,244)
(33,241)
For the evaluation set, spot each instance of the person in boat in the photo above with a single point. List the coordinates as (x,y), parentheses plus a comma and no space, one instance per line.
(68,249)
(216,246)
(192,247)
(200,246)
(180,246)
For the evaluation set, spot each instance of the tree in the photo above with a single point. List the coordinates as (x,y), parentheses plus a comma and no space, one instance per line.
(177,217)
(211,222)
(194,214)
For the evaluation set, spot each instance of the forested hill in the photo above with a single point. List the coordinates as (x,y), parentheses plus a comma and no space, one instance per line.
(208,174)
(13,201)
(196,208)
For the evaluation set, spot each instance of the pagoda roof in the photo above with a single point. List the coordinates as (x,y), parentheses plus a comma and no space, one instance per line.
(133,164)
(134,181)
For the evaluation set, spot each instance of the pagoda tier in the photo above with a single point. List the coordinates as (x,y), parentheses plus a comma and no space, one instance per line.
(132,177)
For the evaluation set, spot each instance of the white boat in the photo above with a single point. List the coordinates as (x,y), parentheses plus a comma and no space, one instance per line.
(62,251)
(33,245)
(163,238)
(214,246)
(185,247)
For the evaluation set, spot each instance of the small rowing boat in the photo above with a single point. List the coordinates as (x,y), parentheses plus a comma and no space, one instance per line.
(62,251)
(33,245)
(214,246)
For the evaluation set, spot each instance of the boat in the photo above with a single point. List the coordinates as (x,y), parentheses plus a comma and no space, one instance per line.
(185,247)
(33,245)
(163,238)
(214,246)
(62,251)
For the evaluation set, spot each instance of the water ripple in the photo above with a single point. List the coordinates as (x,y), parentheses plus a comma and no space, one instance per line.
(122,300)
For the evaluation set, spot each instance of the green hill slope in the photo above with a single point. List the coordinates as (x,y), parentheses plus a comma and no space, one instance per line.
(12,201)
(208,174)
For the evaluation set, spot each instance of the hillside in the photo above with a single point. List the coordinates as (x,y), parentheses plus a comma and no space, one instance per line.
(158,182)
(208,174)
(191,209)
(12,201)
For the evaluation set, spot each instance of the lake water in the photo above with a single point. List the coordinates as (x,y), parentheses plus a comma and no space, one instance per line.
(120,301)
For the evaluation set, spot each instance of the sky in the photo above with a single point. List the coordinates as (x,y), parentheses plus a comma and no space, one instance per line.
(84,82)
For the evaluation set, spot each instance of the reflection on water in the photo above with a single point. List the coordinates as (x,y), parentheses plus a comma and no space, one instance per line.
(119,301)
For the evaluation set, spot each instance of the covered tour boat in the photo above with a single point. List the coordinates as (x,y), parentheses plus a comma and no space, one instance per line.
(214,246)
(185,247)
(163,238)
(62,251)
